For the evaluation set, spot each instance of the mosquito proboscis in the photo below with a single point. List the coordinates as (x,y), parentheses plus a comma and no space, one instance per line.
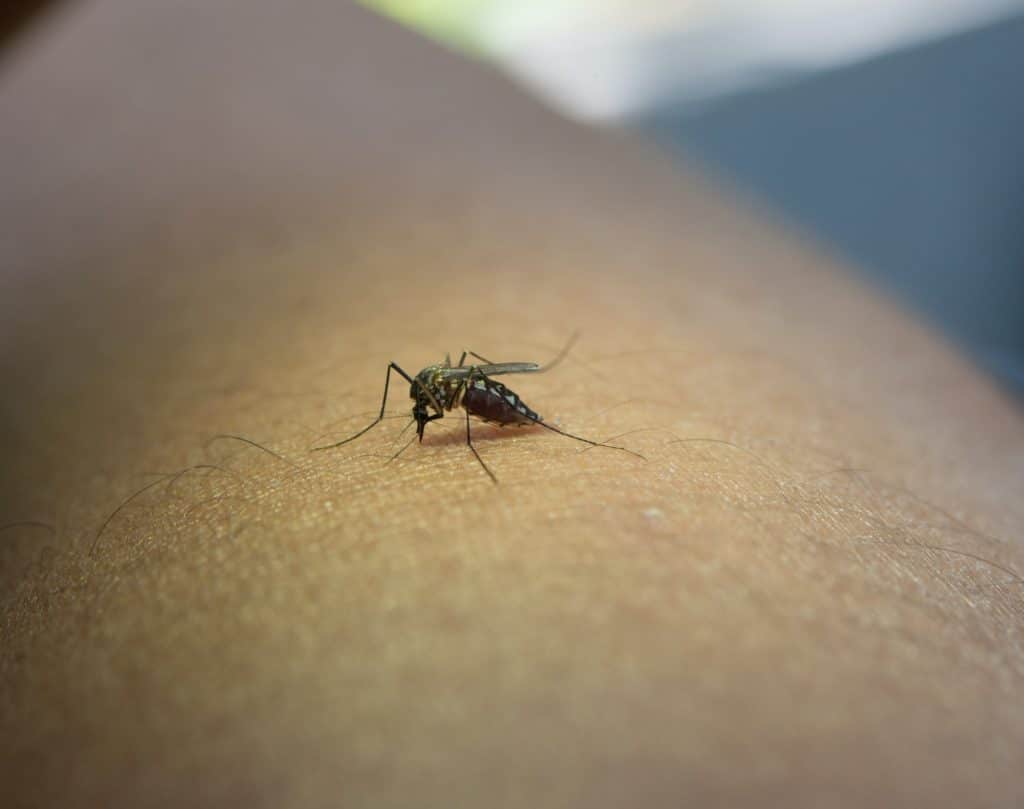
(440,388)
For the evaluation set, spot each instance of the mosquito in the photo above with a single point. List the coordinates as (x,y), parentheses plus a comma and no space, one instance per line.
(441,388)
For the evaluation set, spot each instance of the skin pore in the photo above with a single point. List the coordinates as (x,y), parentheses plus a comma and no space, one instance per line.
(227,222)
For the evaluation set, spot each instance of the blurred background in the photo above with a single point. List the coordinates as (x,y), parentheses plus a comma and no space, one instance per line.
(891,132)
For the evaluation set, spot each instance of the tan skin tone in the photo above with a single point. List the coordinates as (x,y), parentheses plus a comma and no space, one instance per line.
(803,596)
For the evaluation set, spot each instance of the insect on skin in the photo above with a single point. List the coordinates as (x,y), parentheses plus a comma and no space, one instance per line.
(441,388)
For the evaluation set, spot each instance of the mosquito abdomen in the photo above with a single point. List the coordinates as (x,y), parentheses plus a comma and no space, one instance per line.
(490,401)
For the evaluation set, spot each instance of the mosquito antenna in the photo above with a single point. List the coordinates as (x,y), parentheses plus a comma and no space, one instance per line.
(404,430)
(408,444)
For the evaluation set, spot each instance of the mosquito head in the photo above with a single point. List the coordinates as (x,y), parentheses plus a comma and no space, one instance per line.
(420,414)
(422,393)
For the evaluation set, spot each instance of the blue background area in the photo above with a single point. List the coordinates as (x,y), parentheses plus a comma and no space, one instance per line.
(911,164)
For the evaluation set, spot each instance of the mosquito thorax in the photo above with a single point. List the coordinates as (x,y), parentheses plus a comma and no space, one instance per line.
(426,380)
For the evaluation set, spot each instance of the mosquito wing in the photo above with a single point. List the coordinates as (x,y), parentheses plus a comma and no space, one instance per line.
(499,368)
(494,369)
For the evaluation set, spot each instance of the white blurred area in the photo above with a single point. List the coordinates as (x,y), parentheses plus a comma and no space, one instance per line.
(610,59)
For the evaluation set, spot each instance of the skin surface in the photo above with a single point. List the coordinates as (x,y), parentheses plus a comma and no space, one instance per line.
(227,221)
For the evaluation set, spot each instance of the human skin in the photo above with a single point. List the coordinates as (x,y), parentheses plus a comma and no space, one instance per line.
(228,222)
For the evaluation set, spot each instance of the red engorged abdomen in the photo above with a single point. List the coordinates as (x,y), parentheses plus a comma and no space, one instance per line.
(490,407)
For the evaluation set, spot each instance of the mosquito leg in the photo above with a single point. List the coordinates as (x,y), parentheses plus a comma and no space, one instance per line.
(547,426)
(384,401)
(465,354)
(561,354)
(456,396)
(469,442)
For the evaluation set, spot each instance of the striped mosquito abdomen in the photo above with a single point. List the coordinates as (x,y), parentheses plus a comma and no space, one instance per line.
(492,401)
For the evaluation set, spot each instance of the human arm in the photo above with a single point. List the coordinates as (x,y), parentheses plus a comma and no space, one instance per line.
(774,606)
